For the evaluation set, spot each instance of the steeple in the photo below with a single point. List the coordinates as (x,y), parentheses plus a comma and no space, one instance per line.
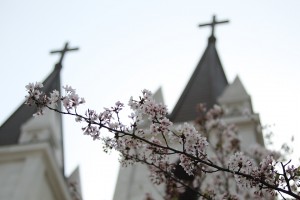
(22,128)
(10,130)
(206,84)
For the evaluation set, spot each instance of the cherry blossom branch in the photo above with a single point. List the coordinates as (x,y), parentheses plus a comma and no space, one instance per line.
(174,151)
(142,140)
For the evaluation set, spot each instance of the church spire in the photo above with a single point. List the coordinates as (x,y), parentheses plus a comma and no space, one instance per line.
(12,130)
(206,84)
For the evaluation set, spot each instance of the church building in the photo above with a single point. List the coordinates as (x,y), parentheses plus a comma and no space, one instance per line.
(208,84)
(31,152)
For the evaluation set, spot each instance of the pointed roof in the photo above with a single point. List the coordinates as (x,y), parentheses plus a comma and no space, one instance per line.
(158,96)
(234,92)
(75,184)
(10,130)
(205,86)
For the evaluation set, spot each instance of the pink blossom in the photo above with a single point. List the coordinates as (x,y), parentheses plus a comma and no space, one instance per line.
(54,97)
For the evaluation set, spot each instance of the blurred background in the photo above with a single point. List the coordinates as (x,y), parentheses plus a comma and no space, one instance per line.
(126,46)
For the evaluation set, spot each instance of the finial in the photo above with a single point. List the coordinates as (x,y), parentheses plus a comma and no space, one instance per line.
(62,54)
(212,24)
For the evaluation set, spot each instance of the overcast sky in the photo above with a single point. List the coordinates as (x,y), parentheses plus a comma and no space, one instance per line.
(126,46)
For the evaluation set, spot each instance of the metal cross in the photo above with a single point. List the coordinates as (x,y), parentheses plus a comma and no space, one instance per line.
(62,53)
(214,22)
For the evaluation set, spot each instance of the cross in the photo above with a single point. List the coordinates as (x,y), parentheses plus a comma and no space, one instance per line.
(214,22)
(62,54)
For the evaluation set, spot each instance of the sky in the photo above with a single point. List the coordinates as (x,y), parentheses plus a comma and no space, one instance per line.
(126,46)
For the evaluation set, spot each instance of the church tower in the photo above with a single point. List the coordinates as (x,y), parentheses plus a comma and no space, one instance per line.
(31,150)
(208,84)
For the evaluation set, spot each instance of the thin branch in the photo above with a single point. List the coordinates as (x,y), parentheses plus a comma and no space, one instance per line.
(285,176)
